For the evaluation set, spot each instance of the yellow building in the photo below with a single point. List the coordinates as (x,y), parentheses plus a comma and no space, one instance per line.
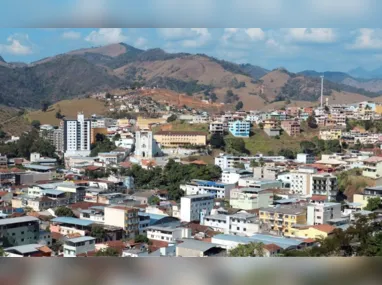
(362,199)
(180,138)
(145,123)
(123,122)
(330,134)
(378,108)
(271,124)
(314,232)
(282,219)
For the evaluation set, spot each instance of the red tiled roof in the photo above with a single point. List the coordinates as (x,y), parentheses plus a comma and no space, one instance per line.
(373,159)
(319,198)
(92,167)
(324,228)
(3,193)
(309,240)
(272,247)
(56,236)
(198,162)
(126,164)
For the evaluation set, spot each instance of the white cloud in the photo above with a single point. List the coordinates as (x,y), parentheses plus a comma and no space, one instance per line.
(71,35)
(18,44)
(106,36)
(367,39)
(313,35)
(141,43)
(186,37)
(255,34)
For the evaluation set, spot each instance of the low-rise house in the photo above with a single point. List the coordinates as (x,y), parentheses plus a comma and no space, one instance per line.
(239,128)
(81,245)
(262,184)
(232,175)
(5,197)
(238,224)
(305,158)
(312,231)
(168,232)
(217,128)
(69,225)
(291,127)
(28,250)
(372,167)
(331,134)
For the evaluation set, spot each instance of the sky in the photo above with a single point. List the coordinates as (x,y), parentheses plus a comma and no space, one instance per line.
(296,49)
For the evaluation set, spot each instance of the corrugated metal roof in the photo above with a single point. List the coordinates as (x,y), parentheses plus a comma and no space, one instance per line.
(196,245)
(81,239)
(74,221)
(18,220)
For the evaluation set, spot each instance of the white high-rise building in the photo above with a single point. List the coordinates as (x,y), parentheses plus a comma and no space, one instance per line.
(195,207)
(77,136)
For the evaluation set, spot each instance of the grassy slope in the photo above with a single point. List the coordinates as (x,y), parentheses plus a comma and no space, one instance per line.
(261,142)
(11,122)
(69,108)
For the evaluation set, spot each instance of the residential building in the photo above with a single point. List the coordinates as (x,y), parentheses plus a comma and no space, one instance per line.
(167,233)
(19,231)
(301,180)
(272,127)
(225,161)
(180,138)
(195,207)
(216,189)
(69,225)
(280,220)
(318,214)
(325,184)
(76,246)
(291,127)
(372,167)
(124,217)
(95,214)
(239,128)
(217,128)
(3,160)
(77,136)
(238,224)
(331,134)
(305,158)
(232,175)
(266,172)
(250,198)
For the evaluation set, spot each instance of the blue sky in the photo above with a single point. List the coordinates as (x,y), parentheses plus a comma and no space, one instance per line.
(294,48)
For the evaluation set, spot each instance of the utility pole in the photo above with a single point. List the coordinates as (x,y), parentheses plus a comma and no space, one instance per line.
(322,90)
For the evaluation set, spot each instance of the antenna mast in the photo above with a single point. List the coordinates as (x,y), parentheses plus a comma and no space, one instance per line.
(322,89)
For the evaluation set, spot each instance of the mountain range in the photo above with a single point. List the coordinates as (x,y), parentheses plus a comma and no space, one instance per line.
(81,72)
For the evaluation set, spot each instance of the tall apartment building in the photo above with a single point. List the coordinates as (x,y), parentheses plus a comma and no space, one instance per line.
(123,217)
(325,184)
(54,136)
(77,136)
(217,127)
(19,231)
(195,207)
(239,128)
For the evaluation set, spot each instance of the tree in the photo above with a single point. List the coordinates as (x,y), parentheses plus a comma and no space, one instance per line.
(213,97)
(98,232)
(45,105)
(116,137)
(254,163)
(109,251)
(239,165)
(2,134)
(64,212)
(239,106)
(172,118)
(248,250)
(217,141)
(312,123)
(271,153)
(36,124)
(373,204)
(287,153)
(141,239)
(154,200)
(261,125)
(235,145)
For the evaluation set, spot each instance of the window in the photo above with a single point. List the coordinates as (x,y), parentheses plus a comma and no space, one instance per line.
(237,228)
